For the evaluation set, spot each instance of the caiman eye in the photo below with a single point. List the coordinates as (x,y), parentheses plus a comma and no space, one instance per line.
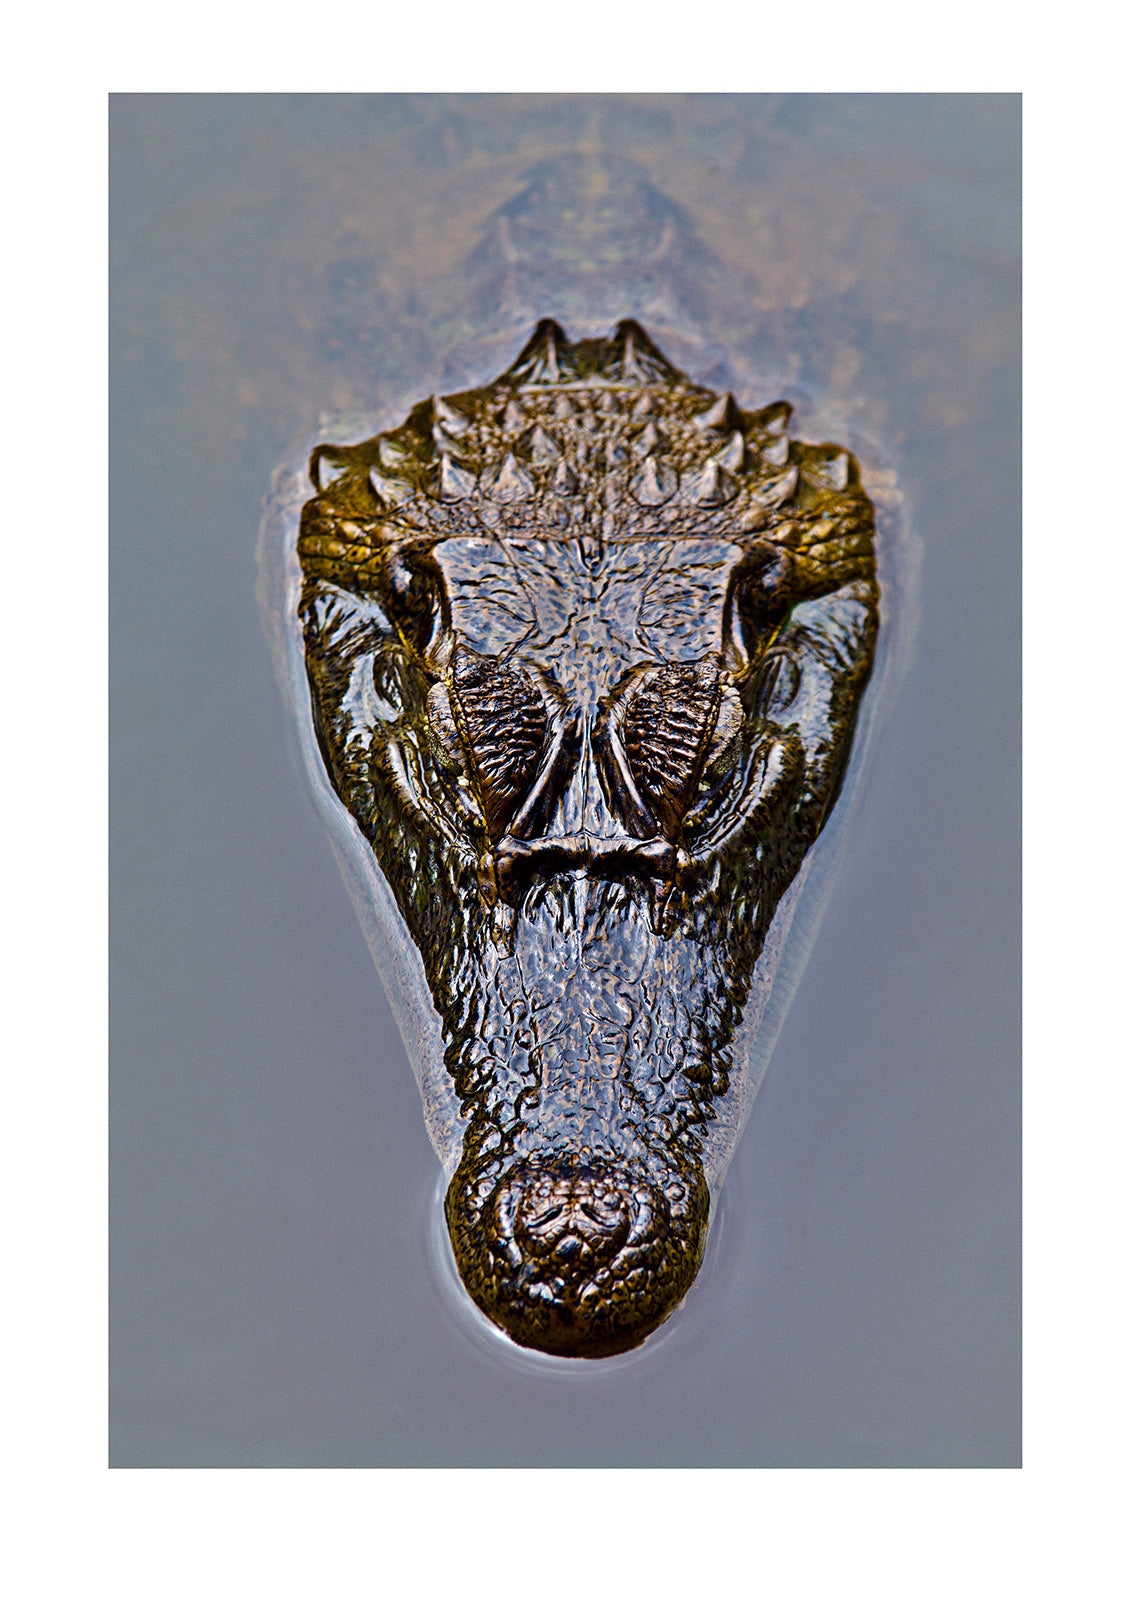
(502,722)
(761,593)
(417,602)
(667,730)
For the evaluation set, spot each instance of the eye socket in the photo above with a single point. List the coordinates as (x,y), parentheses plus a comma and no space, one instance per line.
(417,601)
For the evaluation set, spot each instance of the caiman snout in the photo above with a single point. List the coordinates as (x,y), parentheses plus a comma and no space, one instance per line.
(575,1255)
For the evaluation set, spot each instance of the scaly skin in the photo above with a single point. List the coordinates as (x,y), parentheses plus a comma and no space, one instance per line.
(586,649)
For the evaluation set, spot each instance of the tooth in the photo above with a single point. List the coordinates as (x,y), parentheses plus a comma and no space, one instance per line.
(564,480)
(513,417)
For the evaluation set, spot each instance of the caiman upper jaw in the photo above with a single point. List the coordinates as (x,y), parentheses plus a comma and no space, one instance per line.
(578,1256)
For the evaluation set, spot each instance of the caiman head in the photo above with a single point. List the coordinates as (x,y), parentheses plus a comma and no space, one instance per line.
(585,650)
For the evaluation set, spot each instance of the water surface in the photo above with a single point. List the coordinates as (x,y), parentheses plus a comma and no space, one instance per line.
(279,1295)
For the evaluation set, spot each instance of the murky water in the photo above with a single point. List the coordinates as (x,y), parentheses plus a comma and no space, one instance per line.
(285,265)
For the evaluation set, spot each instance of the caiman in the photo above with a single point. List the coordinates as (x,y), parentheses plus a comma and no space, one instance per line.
(585,650)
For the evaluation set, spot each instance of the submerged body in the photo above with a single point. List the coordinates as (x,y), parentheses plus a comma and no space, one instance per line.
(586,649)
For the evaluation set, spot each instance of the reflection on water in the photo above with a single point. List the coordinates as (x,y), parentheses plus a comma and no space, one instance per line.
(288,265)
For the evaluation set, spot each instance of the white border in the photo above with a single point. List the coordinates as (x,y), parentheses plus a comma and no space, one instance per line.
(1056,1526)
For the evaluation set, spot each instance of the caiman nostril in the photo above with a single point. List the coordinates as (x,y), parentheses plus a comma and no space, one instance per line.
(597,1277)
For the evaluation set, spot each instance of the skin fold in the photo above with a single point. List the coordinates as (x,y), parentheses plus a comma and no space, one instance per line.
(586,649)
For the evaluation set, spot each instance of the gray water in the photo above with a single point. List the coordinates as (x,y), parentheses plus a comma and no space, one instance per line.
(280,1296)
